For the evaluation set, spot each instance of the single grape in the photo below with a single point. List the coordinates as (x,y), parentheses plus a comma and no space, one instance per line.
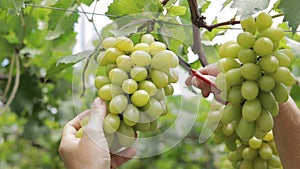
(131,115)
(140,98)
(123,43)
(118,104)
(249,25)
(246,40)
(260,163)
(108,42)
(169,90)
(284,75)
(288,52)
(111,54)
(249,90)
(235,95)
(273,33)
(269,102)
(108,91)
(229,50)
(249,153)
(259,133)
(255,143)
(269,136)
(156,47)
(138,73)
(268,63)
(230,144)
(164,58)
(148,86)
(79,133)
(263,21)
(265,121)
(101,60)
(283,59)
(246,164)
(153,125)
(111,123)
(265,151)
(141,58)
(251,110)
(245,129)
(144,123)
(280,92)
(153,108)
(233,157)
(101,81)
(124,62)
(225,64)
(141,46)
(159,78)
(233,77)
(147,38)
(263,46)
(221,82)
(251,71)
(129,86)
(159,94)
(126,135)
(172,76)
(247,56)
(274,161)
(266,83)
(117,76)
(231,113)
(228,129)
(109,67)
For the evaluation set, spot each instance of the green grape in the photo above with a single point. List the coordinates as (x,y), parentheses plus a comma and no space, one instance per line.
(101,81)
(263,46)
(172,76)
(156,47)
(235,95)
(284,75)
(283,59)
(141,58)
(221,82)
(259,133)
(118,104)
(288,52)
(129,86)
(276,46)
(265,151)
(109,67)
(231,113)
(159,94)
(249,25)
(153,125)
(124,62)
(108,91)
(273,146)
(280,92)
(269,136)
(123,43)
(101,60)
(147,38)
(140,98)
(266,83)
(246,40)
(148,86)
(273,33)
(265,121)
(247,56)
(165,58)
(79,133)
(110,139)
(229,50)
(131,115)
(246,164)
(260,163)
(251,110)
(126,135)
(255,143)
(274,161)
(144,123)
(153,108)
(141,46)
(249,153)
(108,42)
(245,129)
(230,144)
(111,123)
(268,101)
(111,54)
(218,139)
(263,21)
(233,157)
(233,77)
(249,90)
(228,129)
(169,90)
(268,64)
(138,73)
(225,64)
(117,76)
(159,78)
(251,71)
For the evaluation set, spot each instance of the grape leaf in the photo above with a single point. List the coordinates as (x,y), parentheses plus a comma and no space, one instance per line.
(177,10)
(12,6)
(291,13)
(67,61)
(87,2)
(248,7)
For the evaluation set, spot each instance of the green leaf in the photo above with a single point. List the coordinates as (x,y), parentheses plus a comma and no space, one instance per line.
(248,7)
(87,2)
(12,6)
(177,10)
(225,4)
(67,61)
(291,12)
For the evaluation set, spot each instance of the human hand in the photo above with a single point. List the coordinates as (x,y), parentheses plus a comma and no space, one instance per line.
(91,151)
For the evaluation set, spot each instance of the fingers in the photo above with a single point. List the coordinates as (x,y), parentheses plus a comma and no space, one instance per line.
(122,157)
(210,69)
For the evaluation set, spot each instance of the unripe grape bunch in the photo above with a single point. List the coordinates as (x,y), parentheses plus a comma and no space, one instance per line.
(254,76)
(138,78)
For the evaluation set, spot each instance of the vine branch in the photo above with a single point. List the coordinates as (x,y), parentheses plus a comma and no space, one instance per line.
(10,74)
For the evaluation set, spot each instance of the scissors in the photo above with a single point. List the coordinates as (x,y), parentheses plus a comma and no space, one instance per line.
(199,75)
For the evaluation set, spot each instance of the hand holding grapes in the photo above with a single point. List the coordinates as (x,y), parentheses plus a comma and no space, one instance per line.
(90,151)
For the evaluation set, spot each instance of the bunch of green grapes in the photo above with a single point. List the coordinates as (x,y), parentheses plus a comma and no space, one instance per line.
(254,76)
(138,78)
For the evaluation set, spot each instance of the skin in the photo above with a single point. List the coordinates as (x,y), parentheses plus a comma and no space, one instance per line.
(286,128)
(91,151)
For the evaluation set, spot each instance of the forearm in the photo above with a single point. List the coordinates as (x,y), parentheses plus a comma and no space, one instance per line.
(287,134)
